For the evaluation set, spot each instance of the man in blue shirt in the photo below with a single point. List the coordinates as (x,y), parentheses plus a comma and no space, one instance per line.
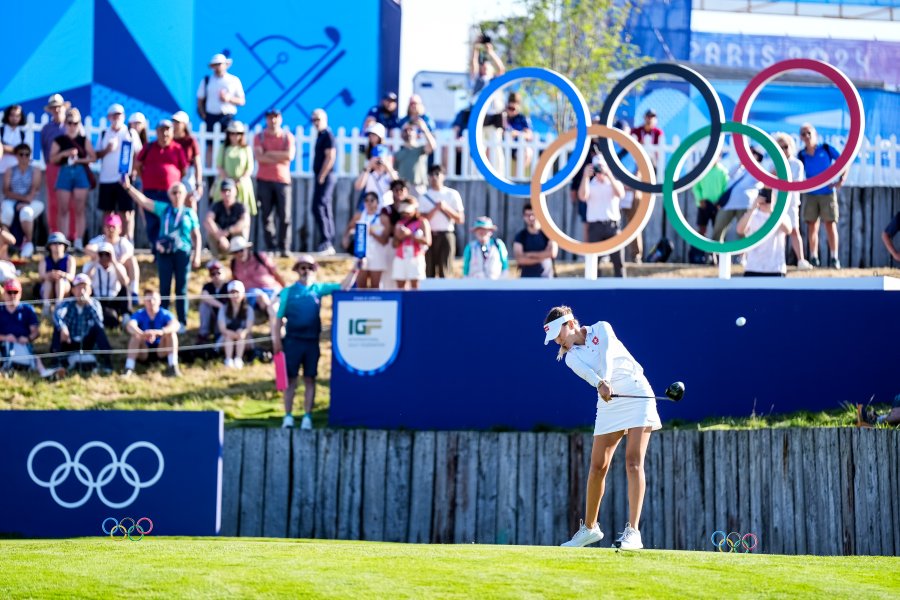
(384,113)
(518,126)
(823,202)
(298,314)
(18,329)
(153,327)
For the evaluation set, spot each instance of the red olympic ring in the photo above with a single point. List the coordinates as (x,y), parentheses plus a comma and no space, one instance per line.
(854,137)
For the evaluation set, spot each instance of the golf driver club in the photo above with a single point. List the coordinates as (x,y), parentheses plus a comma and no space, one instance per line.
(674,393)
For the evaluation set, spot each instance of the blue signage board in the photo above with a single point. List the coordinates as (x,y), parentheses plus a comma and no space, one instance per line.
(65,472)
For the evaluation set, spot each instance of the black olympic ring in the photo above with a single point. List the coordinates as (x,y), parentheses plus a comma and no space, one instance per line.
(716,117)
(129,531)
(738,544)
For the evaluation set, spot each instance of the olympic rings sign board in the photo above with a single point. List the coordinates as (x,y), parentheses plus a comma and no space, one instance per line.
(644,182)
(68,470)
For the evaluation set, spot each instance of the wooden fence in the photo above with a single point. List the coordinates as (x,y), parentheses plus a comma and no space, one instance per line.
(802,491)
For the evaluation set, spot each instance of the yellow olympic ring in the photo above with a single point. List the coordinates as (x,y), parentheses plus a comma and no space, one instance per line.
(644,200)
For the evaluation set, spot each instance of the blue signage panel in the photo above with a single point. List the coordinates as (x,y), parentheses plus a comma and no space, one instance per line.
(476,359)
(64,472)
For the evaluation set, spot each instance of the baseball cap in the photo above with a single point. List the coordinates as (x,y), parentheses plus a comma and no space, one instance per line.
(235,285)
(214,265)
(181,117)
(390,96)
(81,279)
(112,219)
(164,124)
(650,113)
(115,109)
(552,329)
(273,111)
(12,285)
(219,59)
(227,184)
(105,247)
(138,117)
(305,259)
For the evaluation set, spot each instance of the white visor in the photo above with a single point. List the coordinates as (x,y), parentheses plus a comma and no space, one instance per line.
(552,328)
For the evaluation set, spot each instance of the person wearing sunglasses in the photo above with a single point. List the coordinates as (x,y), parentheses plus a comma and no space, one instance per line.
(21,184)
(297,328)
(18,330)
(820,204)
(74,154)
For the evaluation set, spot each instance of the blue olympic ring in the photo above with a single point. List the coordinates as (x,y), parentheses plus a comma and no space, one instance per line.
(476,128)
(739,544)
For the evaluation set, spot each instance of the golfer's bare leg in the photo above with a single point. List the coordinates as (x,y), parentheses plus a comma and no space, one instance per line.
(635,451)
(601,456)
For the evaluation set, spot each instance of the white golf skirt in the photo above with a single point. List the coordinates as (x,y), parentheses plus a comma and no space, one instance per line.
(624,413)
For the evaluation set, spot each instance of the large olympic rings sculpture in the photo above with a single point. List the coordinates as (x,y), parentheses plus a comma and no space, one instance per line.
(645,184)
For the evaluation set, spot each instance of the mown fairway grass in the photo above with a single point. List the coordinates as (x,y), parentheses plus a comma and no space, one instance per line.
(215,568)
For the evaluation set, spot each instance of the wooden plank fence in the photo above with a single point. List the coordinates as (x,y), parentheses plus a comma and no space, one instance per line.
(802,491)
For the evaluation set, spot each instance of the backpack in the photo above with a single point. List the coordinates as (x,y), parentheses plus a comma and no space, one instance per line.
(801,156)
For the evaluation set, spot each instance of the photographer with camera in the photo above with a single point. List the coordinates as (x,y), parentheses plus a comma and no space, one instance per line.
(768,258)
(485,64)
(377,175)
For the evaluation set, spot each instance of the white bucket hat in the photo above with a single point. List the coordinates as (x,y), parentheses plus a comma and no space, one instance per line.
(552,329)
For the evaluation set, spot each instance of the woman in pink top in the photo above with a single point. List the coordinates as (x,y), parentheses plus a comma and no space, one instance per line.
(258,274)
(412,236)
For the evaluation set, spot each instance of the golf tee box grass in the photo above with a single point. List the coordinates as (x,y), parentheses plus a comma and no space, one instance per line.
(161,567)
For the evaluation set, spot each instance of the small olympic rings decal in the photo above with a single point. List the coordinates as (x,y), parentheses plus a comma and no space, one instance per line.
(734,541)
(644,182)
(118,530)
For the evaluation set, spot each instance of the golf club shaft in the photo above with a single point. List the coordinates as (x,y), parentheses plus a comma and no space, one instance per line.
(653,397)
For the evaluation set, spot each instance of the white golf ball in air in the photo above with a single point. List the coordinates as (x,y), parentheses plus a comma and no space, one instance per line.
(740,322)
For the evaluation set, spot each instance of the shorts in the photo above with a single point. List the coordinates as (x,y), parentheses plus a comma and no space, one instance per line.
(820,205)
(27,214)
(72,177)
(252,294)
(301,352)
(706,213)
(222,120)
(408,269)
(112,197)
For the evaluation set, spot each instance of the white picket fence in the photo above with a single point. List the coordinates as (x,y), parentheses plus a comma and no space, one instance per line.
(876,165)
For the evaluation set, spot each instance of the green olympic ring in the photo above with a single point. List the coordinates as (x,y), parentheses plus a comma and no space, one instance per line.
(681,224)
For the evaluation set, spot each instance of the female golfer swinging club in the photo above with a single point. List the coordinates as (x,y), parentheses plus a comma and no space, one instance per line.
(597,356)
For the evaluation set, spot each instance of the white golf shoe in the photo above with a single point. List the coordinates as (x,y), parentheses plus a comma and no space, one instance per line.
(630,539)
(287,422)
(306,424)
(584,536)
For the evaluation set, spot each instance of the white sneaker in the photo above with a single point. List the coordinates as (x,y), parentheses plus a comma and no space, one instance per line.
(47,373)
(630,539)
(803,265)
(239,363)
(229,364)
(287,422)
(27,250)
(306,423)
(584,536)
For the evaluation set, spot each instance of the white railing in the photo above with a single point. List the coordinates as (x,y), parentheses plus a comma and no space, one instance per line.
(876,165)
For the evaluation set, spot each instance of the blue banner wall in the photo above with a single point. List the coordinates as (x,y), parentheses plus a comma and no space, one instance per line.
(152,56)
(64,472)
(476,359)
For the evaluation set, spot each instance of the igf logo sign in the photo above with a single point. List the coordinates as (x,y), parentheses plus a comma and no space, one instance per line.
(363,326)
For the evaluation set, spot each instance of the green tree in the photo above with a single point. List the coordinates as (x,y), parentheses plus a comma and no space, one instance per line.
(586,41)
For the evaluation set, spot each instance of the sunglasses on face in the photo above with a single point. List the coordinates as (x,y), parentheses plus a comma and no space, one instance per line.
(12,293)
(304,268)
(805,133)
(73,122)
(177,192)
(316,120)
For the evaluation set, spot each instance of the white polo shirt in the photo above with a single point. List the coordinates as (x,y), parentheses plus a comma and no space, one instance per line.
(602,356)
(213,87)
(440,221)
(602,203)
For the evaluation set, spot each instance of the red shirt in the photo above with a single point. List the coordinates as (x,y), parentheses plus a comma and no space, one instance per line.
(639,133)
(279,172)
(190,146)
(162,167)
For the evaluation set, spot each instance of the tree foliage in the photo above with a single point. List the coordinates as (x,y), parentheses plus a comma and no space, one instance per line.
(586,41)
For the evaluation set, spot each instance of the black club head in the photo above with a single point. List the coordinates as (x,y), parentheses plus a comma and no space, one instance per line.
(675,391)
